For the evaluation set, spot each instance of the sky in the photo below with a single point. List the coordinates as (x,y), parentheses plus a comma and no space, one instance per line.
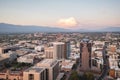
(72,14)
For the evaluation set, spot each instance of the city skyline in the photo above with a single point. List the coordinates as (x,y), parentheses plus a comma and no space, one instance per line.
(77,14)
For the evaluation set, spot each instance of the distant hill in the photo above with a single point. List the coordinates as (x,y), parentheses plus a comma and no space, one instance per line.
(11,28)
(111,29)
(108,29)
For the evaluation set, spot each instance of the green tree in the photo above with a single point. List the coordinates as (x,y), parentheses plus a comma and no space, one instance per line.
(88,76)
(74,76)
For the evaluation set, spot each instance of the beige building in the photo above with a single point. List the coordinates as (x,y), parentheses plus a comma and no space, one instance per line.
(11,75)
(1,50)
(56,51)
(35,73)
(6,49)
(49,51)
(51,66)
(67,65)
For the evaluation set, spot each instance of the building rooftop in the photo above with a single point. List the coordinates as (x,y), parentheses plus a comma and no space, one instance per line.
(2,58)
(34,69)
(47,63)
(60,76)
(85,40)
(68,64)
(57,43)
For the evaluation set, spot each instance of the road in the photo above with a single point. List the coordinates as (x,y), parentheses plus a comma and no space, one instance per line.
(106,65)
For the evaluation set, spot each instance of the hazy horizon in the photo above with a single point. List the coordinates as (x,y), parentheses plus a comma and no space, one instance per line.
(73,14)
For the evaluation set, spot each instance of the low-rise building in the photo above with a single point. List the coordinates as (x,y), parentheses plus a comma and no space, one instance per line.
(11,75)
(26,59)
(97,64)
(67,65)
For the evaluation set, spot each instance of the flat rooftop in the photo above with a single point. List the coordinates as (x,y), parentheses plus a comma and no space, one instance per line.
(3,58)
(47,63)
(57,43)
(60,76)
(34,69)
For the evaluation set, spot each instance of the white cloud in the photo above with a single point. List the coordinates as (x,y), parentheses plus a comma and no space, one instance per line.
(67,22)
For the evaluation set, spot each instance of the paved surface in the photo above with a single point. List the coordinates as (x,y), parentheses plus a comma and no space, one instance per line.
(106,65)
(67,75)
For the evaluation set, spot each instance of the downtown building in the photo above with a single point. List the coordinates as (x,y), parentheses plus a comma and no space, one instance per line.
(58,50)
(35,73)
(85,55)
(67,49)
(47,69)
(51,67)
(114,61)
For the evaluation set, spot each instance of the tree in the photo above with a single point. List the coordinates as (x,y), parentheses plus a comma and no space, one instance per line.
(74,76)
(88,76)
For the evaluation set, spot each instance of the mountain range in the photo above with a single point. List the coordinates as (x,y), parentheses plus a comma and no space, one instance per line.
(11,28)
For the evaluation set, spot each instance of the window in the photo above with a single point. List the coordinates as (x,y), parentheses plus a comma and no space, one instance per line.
(6,76)
(31,77)
(47,74)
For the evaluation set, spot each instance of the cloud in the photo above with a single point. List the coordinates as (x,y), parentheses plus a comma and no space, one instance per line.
(67,22)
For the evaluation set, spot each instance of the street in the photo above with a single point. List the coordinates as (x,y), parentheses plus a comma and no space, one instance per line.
(106,65)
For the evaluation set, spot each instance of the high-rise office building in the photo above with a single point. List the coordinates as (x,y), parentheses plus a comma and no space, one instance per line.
(58,50)
(67,49)
(85,55)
